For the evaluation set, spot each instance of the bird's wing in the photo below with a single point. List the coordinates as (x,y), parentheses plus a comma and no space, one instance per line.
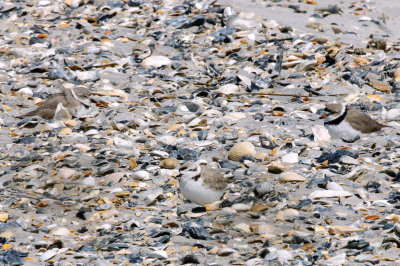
(363,122)
(212,178)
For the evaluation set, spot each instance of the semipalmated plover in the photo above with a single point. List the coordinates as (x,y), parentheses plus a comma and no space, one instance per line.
(201,184)
(348,123)
(62,105)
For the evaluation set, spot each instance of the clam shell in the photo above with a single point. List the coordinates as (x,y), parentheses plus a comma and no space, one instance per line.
(241,149)
(156,61)
(169,163)
(141,175)
(291,177)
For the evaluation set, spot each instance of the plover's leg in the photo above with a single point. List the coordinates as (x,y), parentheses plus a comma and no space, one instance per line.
(349,140)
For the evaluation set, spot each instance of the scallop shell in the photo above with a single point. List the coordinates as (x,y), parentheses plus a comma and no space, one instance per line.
(169,163)
(241,149)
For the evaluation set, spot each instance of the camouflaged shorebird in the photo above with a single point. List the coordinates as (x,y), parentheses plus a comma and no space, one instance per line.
(201,184)
(346,122)
(62,105)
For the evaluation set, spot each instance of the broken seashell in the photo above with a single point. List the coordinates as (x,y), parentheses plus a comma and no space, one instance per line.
(112,92)
(329,194)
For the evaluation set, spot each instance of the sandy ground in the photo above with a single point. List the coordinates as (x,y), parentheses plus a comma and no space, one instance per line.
(358,31)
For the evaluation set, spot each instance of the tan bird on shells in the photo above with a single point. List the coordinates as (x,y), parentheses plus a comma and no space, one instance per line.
(201,184)
(62,105)
(346,122)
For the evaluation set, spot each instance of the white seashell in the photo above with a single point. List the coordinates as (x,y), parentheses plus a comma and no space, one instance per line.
(336,260)
(240,207)
(92,132)
(290,158)
(89,181)
(48,254)
(226,251)
(365,258)
(153,194)
(290,213)
(228,89)
(114,177)
(244,23)
(255,262)
(298,41)
(392,114)
(158,153)
(228,11)
(82,147)
(86,75)
(241,149)
(73,3)
(122,143)
(334,186)
(25,91)
(270,24)
(156,61)
(262,229)
(364,18)
(116,190)
(159,254)
(321,134)
(299,114)
(66,173)
(283,256)
(60,231)
(236,116)
(141,175)
(349,160)
(93,50)
(107,214)
(329,194)
(212,113)
(168,172)
(242,227)
(195,122)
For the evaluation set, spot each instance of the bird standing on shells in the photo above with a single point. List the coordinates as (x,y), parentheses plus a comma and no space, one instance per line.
(348,123)
(201,184)
(62,105)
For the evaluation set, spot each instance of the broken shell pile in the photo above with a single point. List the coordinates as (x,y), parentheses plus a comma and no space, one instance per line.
(176,81)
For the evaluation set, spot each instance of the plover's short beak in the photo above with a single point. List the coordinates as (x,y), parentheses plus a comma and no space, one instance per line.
(323,113)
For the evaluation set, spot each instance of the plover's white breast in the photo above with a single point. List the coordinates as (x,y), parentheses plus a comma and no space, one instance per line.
(196,191)
(343,130)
